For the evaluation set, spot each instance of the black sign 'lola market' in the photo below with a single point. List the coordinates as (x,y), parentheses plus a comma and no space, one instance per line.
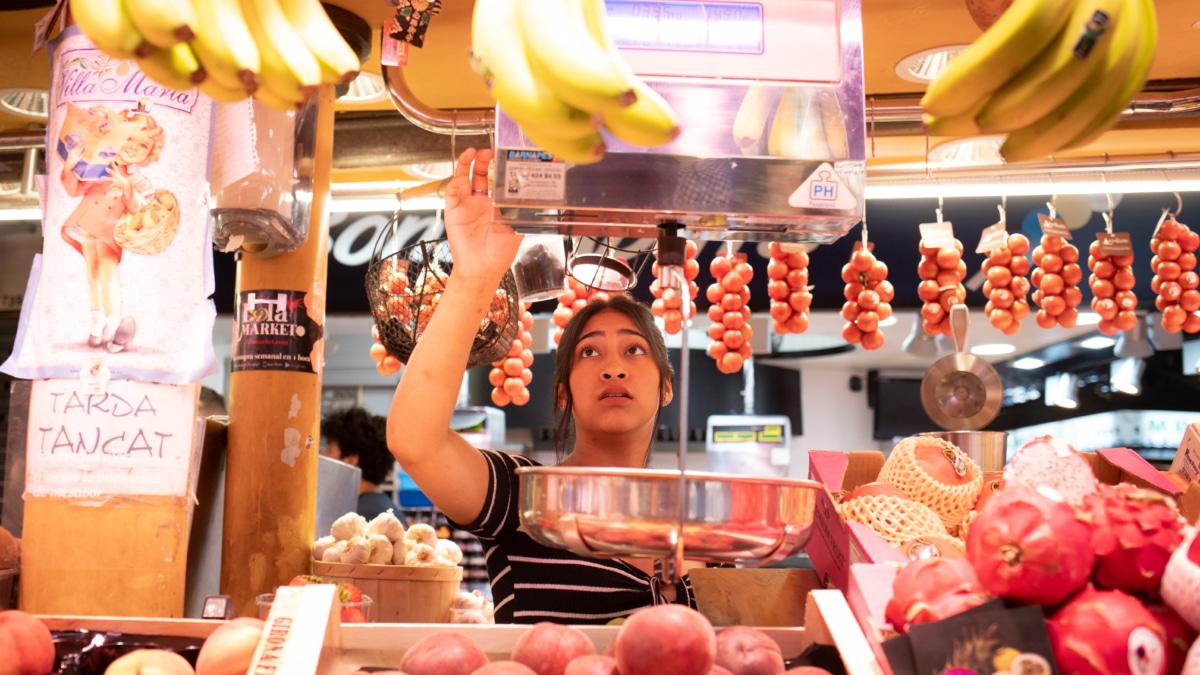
(274,332)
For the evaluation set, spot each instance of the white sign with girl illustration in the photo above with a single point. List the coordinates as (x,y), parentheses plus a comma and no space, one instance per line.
(125,273)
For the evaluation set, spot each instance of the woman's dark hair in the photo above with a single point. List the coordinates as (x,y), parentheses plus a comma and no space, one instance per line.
(564,360)
(360,433)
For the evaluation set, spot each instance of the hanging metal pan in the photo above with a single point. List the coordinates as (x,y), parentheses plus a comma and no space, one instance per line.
(961,392)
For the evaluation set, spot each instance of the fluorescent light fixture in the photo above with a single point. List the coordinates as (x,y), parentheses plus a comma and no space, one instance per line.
(367,87)
(17,215)
(1125,375)
(1028,363)
(25,102)
(1087,319)
(1062,390)
(910,182)
(1134,342)
(1098,342)
(924,66)
(993,349)
(977,151)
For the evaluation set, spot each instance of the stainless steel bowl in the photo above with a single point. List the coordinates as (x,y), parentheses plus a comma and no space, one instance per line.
(602,512)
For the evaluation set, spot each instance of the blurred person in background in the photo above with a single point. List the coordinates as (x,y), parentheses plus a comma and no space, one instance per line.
(358,438)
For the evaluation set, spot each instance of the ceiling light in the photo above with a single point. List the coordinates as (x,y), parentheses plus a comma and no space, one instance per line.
(1028,363)
(430,170)
(915,182)
(31,104)
(1125,375)
(1134,342)
(924,66)
(968,151)
(919,343)
(1087,319)
(1098,342)
(366,88)
(993,349)
(1062,390)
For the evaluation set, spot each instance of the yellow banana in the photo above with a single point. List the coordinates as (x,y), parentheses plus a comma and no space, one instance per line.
(224,44)
(1057,72)
(339,62)
(1015,40)
(164,23)
(499,57)
(108,25)
(175,67)
(962,124)
(1124,70)
(582,150)
(279,103)
(650,121)
(563,53)
(833,121)
(798,129)
(289,70)
(750,123)
(1110,112)
(219,92)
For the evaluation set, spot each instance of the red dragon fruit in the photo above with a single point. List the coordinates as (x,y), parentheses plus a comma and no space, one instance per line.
(1029,548)
(1179,636)
(1107,633)
(1181,580)
(1134,532)
(931,589)
(1048,461)
(1192,665)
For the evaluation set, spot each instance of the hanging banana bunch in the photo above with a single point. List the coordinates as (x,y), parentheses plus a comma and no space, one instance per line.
(279,51)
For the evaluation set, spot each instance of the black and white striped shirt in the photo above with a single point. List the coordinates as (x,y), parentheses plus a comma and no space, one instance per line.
(532,582)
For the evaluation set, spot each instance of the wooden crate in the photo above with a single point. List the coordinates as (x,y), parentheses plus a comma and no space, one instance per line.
(402,594)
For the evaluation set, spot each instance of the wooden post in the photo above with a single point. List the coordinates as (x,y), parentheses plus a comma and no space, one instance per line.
(274,416)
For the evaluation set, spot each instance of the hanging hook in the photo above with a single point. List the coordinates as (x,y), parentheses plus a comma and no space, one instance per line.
(1003,208)
(939,208)
(1051,205)
(864,232)
(1178,206)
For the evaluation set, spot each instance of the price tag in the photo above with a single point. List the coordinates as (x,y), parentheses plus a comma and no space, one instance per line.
(937,235)
(1117,243)
(1054,227)
(303,633)
(992,238)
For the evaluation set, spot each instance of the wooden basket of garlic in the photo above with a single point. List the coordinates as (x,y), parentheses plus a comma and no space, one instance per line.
(412,575)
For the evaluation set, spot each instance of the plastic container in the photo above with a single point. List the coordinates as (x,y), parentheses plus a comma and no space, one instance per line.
(352,612)
(541,267)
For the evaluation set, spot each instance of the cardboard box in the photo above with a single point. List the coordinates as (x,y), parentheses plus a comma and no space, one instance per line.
(1122,465)
(100,131)
(1187,459)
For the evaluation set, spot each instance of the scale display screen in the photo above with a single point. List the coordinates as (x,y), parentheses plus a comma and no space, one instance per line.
(781,40)
(748,433)
(719,27)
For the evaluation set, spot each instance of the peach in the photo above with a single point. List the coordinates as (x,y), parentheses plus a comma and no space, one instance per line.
(36,655)
(718,670)
(443,654)
(505,668)
(547,647)
(230,648)
(743,650)
(592,664)
(150,662)
(807,670)
(666,640)
(10,658)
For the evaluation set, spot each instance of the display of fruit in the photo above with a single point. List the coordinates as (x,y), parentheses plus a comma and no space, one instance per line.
(931,590)
(668,304)
(1175,279)
(935,473)
(1179,635)
(1112,282)
(1029,548)
(942,271)
(1007,286)
(868,299)
(1180,587)
(26,645)
(575,298)
(546,648)
(743,650)
(1103,632)
(1051,74)
(1134,532)
(229,650)
(385,363)
(554,69)
(791,296)
(1048,462)
(511,375)
(894,517)
(665,640)
(730,330)
(280,52)
(1056,277)
(147,662)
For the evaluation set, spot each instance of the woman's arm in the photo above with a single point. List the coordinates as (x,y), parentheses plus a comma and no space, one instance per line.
(444,465)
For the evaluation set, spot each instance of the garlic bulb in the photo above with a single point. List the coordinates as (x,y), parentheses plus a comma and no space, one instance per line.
(421,555)
(348,526)
(399,549)
(381,549)
(449,550)
(320,545)
(386,524)
(420,533)
(334,553)
(358,551)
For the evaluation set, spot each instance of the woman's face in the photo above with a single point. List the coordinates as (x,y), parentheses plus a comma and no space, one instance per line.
(136,149)
(614,381)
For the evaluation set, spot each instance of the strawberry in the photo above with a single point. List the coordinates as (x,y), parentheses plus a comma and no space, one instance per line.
(306,579)
(353,615)
(349,593)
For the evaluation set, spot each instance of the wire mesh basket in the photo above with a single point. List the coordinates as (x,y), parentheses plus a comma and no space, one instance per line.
(405,287)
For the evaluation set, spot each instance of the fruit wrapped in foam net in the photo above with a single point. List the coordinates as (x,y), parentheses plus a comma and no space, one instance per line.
(935,473)
(893,518)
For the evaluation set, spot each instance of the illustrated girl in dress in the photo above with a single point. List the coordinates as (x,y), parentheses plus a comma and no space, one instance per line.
(120,191)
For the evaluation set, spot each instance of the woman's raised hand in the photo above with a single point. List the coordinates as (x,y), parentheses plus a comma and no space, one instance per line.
(481,248)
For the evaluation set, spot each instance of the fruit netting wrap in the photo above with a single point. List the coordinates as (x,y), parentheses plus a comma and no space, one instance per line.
(894,519)
(965,524)
(903,471)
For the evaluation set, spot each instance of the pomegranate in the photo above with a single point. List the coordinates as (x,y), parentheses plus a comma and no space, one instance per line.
(1179,636)
(1029,548)
(1048,461)
(1107,632)
(1134,532)
(935,473)
(932,589)
(1180,587)
(874,488)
